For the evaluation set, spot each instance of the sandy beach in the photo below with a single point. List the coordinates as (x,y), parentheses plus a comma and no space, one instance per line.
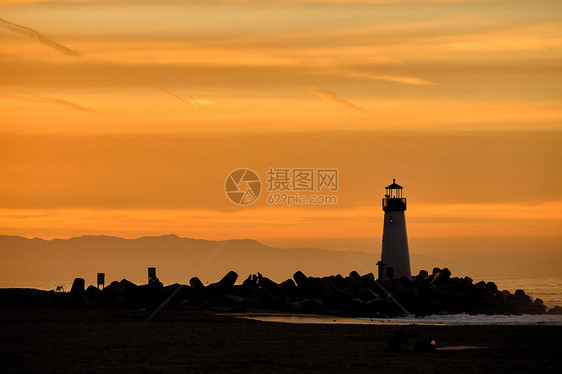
(49,339)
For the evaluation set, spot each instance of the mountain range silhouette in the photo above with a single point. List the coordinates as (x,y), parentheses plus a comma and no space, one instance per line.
(175,258)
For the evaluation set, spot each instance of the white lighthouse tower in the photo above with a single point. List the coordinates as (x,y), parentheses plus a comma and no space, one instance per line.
(395,255)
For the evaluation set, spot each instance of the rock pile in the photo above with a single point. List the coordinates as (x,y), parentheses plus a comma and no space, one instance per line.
(351,296)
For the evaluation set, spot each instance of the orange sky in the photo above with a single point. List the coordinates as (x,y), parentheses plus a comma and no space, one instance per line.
(96,139)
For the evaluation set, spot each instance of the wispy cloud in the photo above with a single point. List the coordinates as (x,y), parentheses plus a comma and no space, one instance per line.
(398,78)
(406,80)
(29,32)
(330,96)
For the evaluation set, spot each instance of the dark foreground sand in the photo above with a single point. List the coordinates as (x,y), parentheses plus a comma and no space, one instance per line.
(44,339)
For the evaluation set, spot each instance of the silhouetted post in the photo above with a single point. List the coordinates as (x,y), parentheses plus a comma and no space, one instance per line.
(380,264)
(151,273)
(101,280)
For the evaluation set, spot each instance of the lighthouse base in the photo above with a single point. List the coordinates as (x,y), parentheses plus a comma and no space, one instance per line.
(395,252)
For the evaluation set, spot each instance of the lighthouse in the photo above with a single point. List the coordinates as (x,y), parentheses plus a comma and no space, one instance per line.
(395,256)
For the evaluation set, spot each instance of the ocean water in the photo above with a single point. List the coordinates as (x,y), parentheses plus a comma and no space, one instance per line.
(548,289)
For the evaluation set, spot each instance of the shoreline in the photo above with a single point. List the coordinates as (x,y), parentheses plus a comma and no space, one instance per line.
(431,320)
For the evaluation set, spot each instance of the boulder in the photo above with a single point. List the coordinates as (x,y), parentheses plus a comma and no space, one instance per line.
(93,297)
(433,292)
(521,298)
(196,283)
(251,281)
(289,284)
(353,279)
(365,294)
(315,287)
(300,278)
(131,290)
(335,299)
(524,302)
(436,276)
(78,286)
(339,281)
(128,285)
(399,288)
(287,289)
(481,289)
(492,286)
(110,288)
(367,281)
(267,283)
(93,292)
(538,307)
(423,274)
(229,279)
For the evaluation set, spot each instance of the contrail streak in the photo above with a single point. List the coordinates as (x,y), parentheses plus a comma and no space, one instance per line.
(174,95)
(29,32)
(66,103)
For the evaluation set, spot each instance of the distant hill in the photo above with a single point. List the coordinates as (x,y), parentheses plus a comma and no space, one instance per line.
(176,259)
